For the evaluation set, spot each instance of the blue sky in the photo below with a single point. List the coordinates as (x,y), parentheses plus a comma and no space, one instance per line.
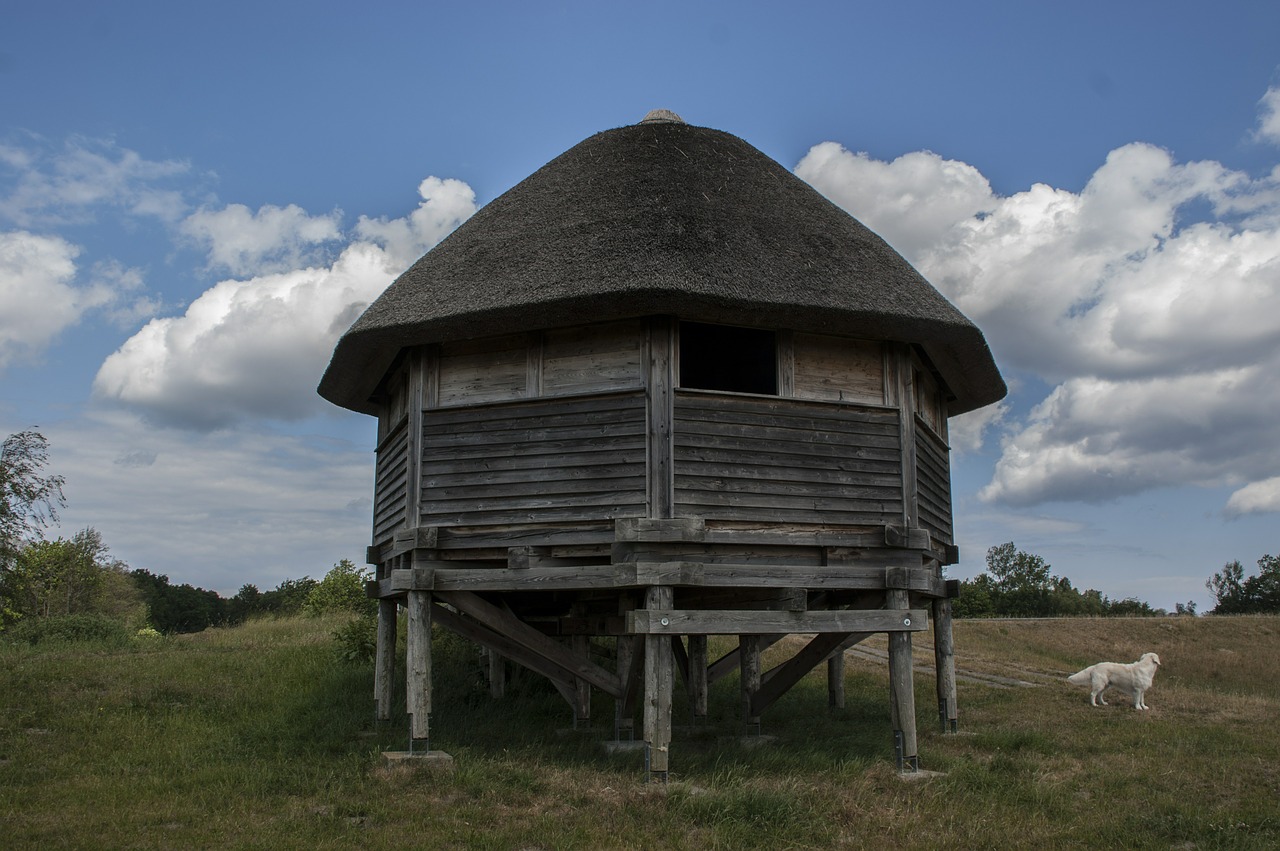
(193,199)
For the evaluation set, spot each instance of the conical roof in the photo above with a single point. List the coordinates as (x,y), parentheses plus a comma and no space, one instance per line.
(661,217)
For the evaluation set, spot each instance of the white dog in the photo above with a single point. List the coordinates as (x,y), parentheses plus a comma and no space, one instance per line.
(1134,678)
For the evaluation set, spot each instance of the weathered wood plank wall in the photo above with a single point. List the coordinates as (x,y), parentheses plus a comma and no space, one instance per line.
(933,477)
(773,460)
(540,460)
(390,480)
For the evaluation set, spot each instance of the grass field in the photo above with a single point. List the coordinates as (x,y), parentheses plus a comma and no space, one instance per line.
(258,737)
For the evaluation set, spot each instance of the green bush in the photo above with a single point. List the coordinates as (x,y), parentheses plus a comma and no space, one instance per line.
(71,628)
(358,639)
(341,590)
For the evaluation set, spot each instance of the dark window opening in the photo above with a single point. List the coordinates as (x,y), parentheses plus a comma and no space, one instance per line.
(723,357)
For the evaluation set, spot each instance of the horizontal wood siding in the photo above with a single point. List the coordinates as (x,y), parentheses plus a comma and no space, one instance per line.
(783,460)
(543,460)
(933,483)
(391,479)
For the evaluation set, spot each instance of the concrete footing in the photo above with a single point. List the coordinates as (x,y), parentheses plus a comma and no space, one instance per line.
(436,760)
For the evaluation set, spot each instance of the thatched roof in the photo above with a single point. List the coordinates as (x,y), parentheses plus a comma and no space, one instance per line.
(661,217)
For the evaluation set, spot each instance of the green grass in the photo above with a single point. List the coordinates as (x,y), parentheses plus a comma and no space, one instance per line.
(259,737)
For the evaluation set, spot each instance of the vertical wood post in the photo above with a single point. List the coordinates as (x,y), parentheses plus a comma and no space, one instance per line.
(384,666)
(657,689)
(902,696)
(944,655)
(900,393)
(835,680)
(419,371)
(497,675)
(581,646)
(749,662)
(698,675)
(660,381)
(624,706)
(418,665)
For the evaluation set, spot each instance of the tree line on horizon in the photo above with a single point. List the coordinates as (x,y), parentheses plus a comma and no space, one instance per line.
(73,586)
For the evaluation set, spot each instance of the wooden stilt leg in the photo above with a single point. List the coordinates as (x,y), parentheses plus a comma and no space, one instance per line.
(657,690)
(418,664)
(385,658)
(698,675)
(945,660)
(497,675)
(624,706)
(581,646)
(902,698)
(835,680)
(750,666)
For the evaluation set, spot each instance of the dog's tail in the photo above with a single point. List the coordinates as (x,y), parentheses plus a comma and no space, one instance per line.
(1080,678)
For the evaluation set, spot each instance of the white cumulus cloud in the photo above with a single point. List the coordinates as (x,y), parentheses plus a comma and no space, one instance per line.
(271,240)
(445,204)
(1148,302)
(52,186)
(255,347)
(1269,117)
(41,294)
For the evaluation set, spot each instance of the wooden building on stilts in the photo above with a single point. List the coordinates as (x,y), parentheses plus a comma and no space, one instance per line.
(662,390)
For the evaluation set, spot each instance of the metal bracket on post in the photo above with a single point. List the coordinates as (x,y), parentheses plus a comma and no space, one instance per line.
(649,773)
(949,725)
(906,764)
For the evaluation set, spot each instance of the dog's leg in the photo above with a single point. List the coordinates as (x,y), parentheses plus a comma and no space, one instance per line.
(1138,701)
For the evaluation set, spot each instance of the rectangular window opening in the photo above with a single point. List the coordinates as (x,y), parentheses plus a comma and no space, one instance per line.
(725,357)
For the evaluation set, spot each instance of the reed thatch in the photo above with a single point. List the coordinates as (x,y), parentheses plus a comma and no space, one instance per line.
(662,217)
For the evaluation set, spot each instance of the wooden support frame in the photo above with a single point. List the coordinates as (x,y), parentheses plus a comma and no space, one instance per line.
(750,680)
(385,658)
(504,623)
(418,665)
(945,665)
(755,622)
(698,675)
(902,696)
(657,692)
(477,632)
(778,681)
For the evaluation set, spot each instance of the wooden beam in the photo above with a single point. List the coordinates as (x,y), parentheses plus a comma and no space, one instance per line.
(660,385)
(750,680)
(659,530)
(729,622)
(473,630)
(698,675)
(944,655)
(835,681)
(728,663)
(431,575)
(418,664)
(778,681)
(902,696)
(631,675)
(657,691)
(385,658)
(506,623)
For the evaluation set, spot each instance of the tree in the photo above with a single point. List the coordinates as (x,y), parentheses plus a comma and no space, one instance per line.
(1022,583)
(1236,594)
(341,590)
(61,578)
(29,500)
(179,608)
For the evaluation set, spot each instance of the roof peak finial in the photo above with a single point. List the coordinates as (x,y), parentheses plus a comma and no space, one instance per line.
(662,116)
